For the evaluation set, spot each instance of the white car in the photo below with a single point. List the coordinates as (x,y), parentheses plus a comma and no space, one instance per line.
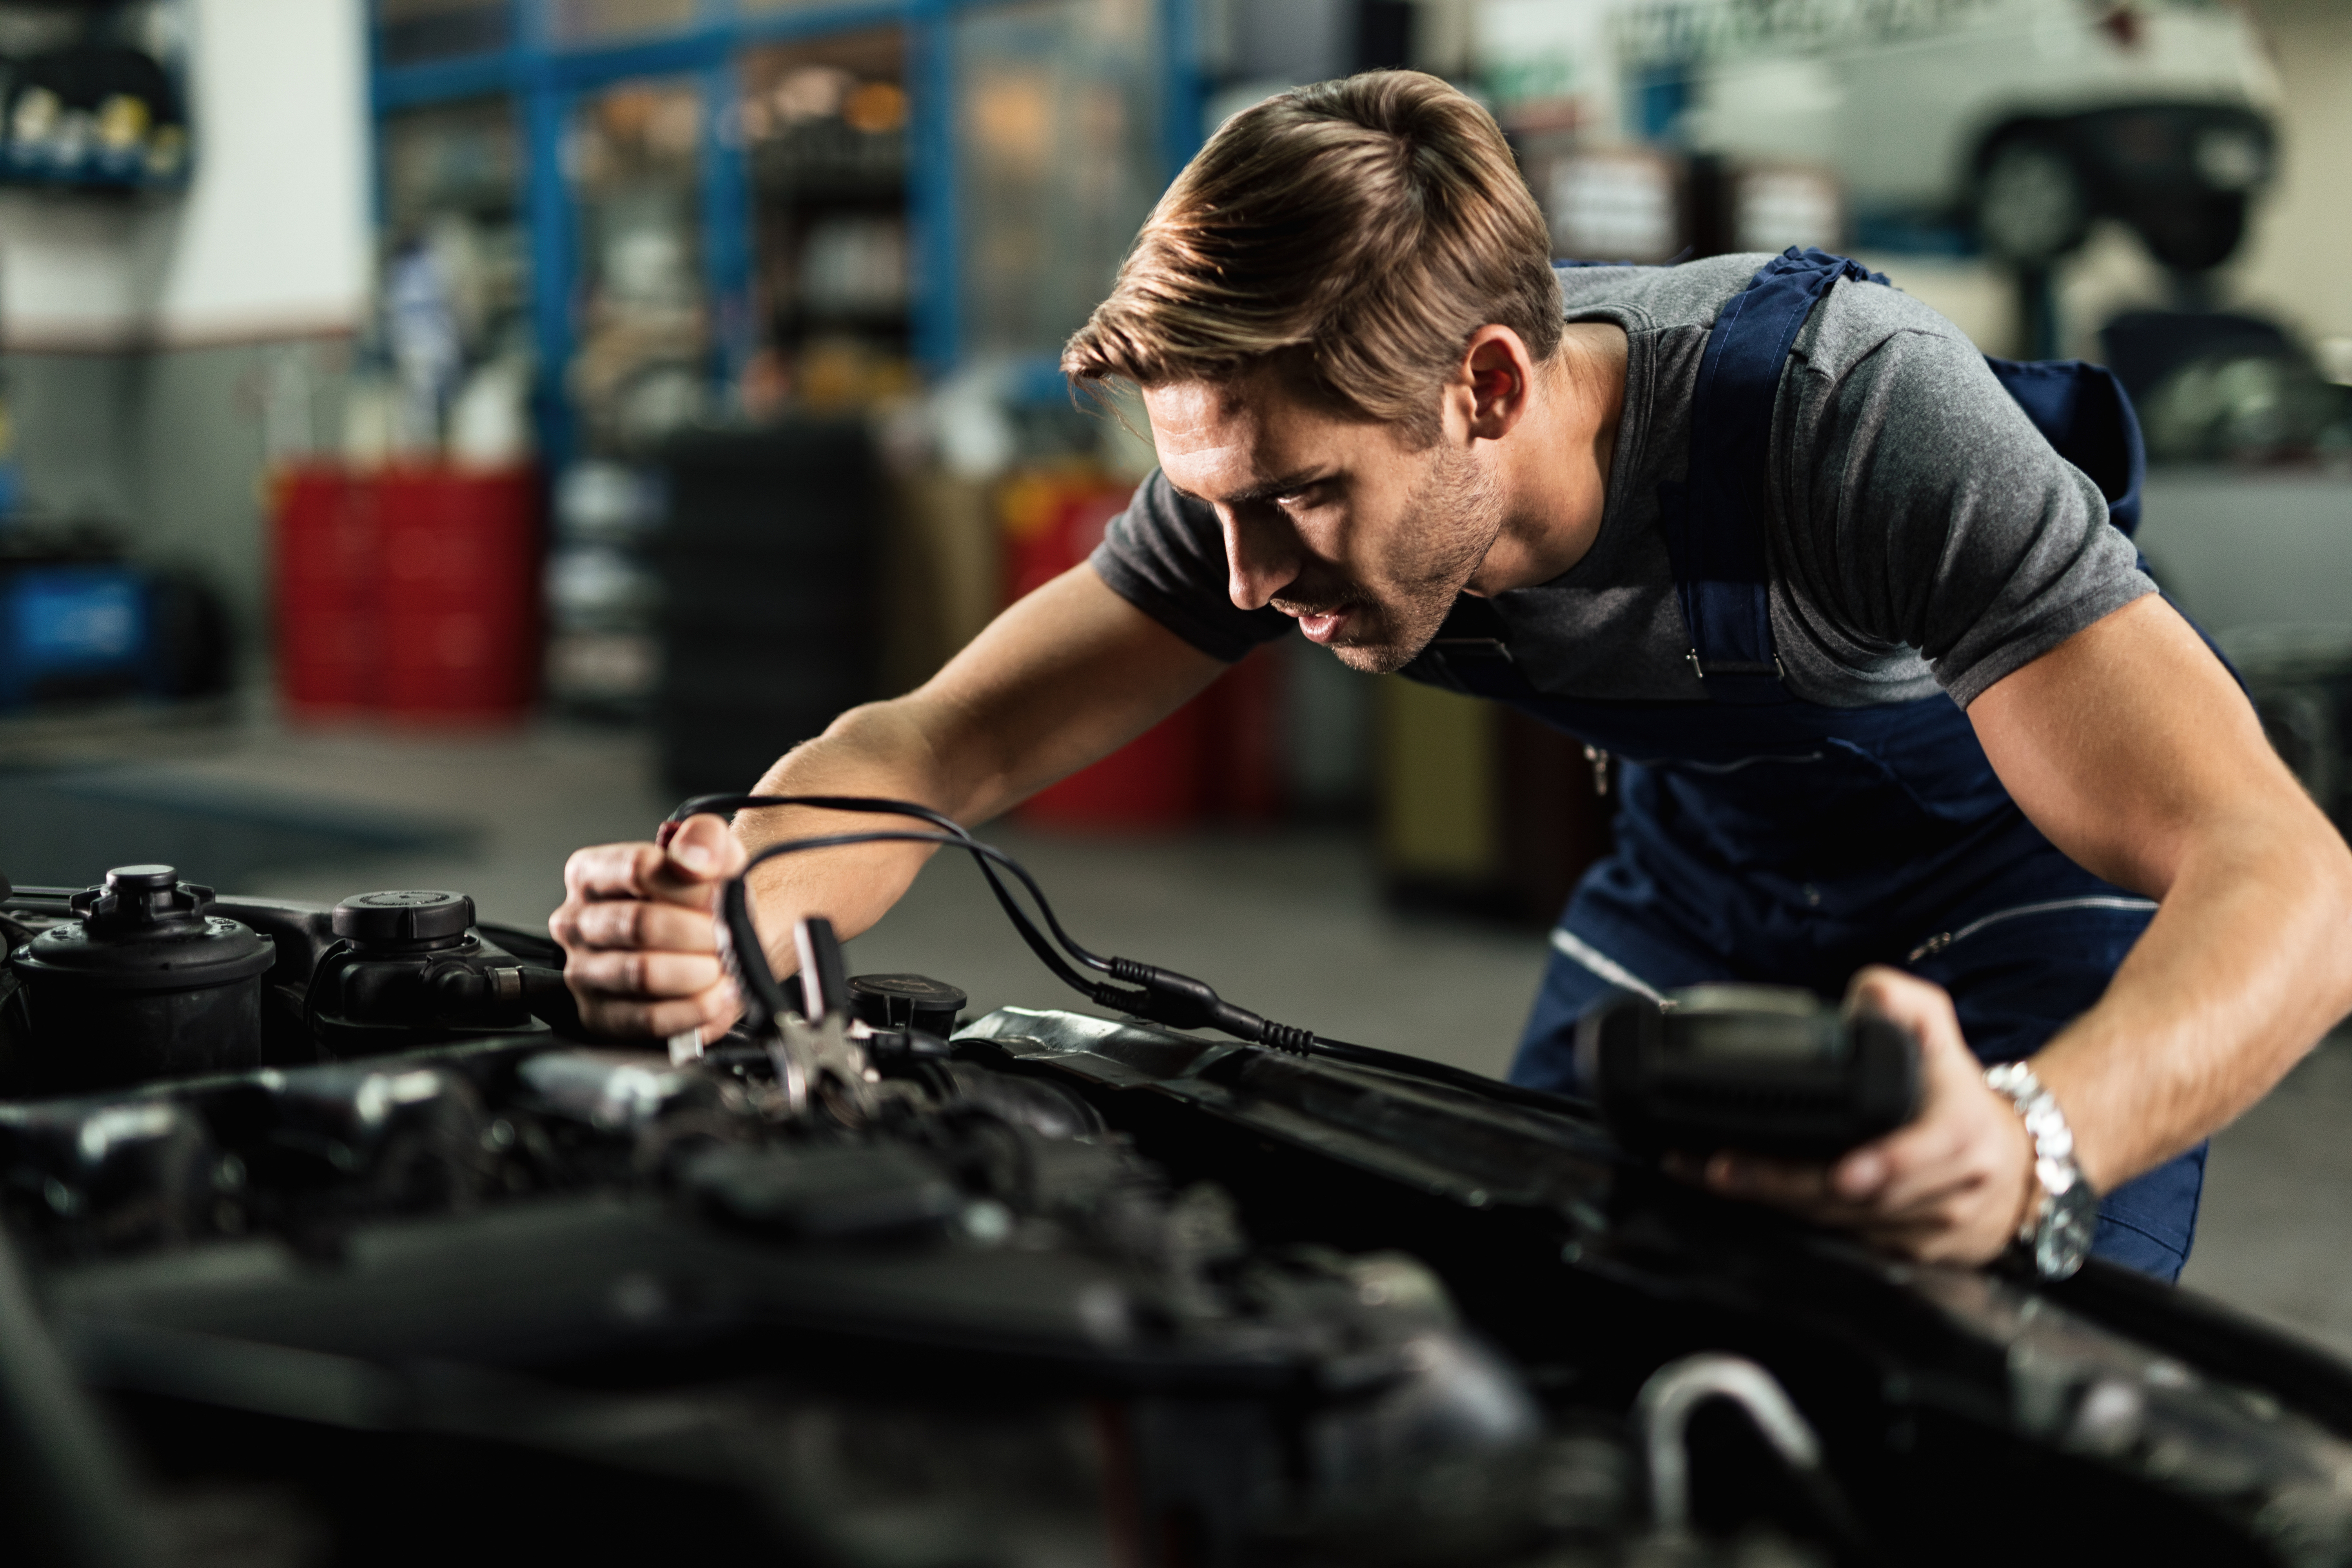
(2020,121)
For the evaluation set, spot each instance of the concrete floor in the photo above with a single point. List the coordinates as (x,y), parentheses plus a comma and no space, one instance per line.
(1287,923)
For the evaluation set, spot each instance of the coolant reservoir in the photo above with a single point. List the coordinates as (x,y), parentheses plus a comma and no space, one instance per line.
(145,984)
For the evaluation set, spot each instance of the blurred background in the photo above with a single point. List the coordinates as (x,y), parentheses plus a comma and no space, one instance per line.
(437,433)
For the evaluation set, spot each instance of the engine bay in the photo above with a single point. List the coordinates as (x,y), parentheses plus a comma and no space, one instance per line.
(341,1242)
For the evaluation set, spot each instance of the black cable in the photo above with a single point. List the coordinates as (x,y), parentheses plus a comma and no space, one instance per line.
(751,958)
(1161,995)
(874,805)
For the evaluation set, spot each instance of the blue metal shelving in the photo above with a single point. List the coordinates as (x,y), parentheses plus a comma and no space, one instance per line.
(544,79)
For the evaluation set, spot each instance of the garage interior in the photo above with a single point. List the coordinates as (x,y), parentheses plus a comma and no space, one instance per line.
(564,294)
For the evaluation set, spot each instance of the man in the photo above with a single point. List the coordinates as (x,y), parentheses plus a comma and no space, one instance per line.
(1898,708)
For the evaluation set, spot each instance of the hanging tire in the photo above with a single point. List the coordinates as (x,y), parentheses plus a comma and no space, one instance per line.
(2031,206)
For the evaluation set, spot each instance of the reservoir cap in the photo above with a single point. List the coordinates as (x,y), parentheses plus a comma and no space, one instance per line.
(144,929)
(906,1001)
(408,917)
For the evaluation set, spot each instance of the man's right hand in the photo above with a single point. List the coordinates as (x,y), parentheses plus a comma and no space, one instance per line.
(1069,674)
(639,952)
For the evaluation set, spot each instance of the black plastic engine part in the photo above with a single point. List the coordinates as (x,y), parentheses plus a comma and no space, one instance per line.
(146,983)
(408,966)
(906,1002)
(98,1175)
(412,920)
(1764,1068)
(341,1139)
(862,1191)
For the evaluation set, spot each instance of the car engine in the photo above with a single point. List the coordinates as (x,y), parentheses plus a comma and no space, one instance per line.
(331,1238)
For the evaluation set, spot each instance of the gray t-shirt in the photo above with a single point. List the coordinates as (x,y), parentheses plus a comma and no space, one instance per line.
(1922,533)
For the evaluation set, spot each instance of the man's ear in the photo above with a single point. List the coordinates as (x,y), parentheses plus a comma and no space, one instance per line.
(1499,377)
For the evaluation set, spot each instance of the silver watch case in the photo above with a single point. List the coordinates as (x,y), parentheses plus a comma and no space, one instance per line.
(2063,1230)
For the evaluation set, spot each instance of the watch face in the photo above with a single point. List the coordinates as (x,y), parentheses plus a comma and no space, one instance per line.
(2064,1237)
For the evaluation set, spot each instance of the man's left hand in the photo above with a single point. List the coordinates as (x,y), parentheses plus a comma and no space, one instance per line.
(1950,1187)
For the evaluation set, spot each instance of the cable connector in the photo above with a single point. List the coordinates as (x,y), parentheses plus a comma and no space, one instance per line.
(1137,1003)
(1286,1038)
(1176,1000)
(1184,1003)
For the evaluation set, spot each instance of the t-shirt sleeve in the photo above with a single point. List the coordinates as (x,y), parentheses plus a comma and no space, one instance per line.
(1933,513)
(1165,556)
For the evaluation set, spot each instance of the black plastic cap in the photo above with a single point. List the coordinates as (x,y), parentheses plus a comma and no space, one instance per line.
(906,1001)
(139,902)
(404,918)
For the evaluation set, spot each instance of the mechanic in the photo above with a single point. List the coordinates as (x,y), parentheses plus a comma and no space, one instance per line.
(1899,711)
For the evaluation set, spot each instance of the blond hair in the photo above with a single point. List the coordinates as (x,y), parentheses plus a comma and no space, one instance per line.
(1356,232)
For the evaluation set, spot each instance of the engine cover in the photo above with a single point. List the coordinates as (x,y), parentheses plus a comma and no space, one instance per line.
(1059,1289)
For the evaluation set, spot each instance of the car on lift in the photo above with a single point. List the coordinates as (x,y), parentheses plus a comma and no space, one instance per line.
(2015,122)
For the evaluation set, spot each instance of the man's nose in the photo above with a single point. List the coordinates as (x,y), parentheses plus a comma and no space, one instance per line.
(1262,556)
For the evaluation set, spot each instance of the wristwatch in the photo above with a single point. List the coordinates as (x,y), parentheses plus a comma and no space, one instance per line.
(2056,1231)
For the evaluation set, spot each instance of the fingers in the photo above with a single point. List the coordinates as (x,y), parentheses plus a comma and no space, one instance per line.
(1964,1133)
(1783,1184)
(1947,1222)
(640,954)
(665,927)
(701,856)
(1917,1005)
(705,852)
(640,975)
(1960,1145)
(1924,1176)
(1915,1158)
(639,992)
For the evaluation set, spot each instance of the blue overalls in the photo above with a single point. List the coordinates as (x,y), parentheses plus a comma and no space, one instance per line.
(1760,837)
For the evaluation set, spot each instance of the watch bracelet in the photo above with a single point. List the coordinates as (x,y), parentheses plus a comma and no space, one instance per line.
(2055,1171)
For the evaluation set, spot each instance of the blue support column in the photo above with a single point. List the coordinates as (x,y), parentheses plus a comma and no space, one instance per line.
(932,180)
(553,255)
(727,242)
(1183,95)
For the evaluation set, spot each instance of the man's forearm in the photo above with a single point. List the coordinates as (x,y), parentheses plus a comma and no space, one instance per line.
(2244,968)
(2133,749)
(883,749)
(1067,675)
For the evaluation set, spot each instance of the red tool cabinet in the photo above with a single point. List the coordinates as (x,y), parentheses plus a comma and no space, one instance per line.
(1217,756)
(412,593)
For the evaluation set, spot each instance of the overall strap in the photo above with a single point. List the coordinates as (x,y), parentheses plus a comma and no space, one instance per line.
(1715,519)
(2085,415)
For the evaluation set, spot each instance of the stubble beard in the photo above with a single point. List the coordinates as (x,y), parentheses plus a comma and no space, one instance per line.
(1453,518)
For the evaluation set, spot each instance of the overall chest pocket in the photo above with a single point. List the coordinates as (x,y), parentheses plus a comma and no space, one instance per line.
(1833,811)
(1832,791)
